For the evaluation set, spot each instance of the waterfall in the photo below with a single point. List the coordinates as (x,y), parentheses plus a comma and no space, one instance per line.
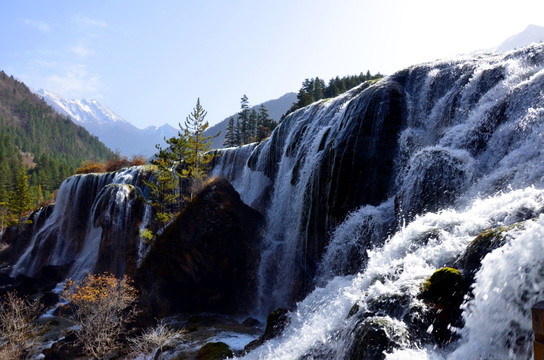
(322,328)
(91,224)
(367,194)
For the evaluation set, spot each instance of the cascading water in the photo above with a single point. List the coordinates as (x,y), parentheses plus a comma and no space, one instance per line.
(90,227)
(322,328)
(365,196)
(403,175)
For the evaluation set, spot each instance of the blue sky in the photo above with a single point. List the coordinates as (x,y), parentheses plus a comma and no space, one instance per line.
(150,61)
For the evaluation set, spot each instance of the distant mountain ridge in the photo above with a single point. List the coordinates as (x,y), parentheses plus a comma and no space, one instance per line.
(531,34)
(119,134)
(36,138)
(276,108)
(116,132)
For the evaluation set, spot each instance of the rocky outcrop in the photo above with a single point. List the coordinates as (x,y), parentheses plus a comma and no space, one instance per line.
(206,260)
(15,239)
(444,292)
(374,336)
(276,322)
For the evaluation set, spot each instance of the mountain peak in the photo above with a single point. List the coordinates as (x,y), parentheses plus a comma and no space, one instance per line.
(81,111)
(531,34)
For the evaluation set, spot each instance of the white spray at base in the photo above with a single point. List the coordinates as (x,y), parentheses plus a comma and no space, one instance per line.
(497,319)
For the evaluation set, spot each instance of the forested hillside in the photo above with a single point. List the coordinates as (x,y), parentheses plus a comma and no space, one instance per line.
(37,146)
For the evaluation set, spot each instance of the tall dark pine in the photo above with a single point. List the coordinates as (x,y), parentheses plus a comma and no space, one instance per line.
(252,126)
(20,200)
(231,138)
(265,124)
(198,157)
(243,120)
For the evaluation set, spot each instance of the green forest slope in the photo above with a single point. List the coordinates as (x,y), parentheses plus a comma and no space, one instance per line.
(38,142)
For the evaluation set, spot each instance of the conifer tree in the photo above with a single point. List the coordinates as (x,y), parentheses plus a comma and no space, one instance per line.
(39,196)
(243,120)
(238,132)
(3,207)
(20,200)
(162,190)
(230,135)
(265,124)
(252,126)
(175,156)
(198,157)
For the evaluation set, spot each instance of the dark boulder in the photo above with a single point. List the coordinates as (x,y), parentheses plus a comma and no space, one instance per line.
(276,322)
(214,351)
(206,260)
(483,244)
(41,283)
(15,239)
(374,336)
(444,292)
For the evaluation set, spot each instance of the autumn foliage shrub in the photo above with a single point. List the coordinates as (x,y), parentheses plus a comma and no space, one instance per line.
(115,163)
(102,306)
(91,167)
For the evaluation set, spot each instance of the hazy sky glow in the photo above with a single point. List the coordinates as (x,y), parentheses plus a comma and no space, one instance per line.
(149,61)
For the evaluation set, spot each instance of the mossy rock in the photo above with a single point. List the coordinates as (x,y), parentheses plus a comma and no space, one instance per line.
(374,336)
(483,244)
(276,321)
(445,287)
(444,292)
(214,351)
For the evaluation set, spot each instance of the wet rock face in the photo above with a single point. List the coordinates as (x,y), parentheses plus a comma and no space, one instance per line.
(276,322)
(356,167)
(119,223)
(373,337)
(214,351)
(444,292)
(15,239)
(482,245)
(207,259)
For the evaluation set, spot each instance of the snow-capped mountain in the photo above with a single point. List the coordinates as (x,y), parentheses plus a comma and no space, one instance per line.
(532,34)
(110,128)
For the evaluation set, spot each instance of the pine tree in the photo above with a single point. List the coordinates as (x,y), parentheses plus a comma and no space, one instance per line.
(40,200)
(238,132)
(265,124)
(318,89)
(230,135)
(198,156)
(243,120)
(163,196)
(3,207)
(175,157)
(252,126)
(20,200)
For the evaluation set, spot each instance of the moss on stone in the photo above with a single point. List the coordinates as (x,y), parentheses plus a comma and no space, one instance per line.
(445,287)
(375,336)
(276,321)
(214,351)
(483,244)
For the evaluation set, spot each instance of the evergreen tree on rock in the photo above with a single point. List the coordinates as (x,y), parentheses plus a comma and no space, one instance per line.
(198,157)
